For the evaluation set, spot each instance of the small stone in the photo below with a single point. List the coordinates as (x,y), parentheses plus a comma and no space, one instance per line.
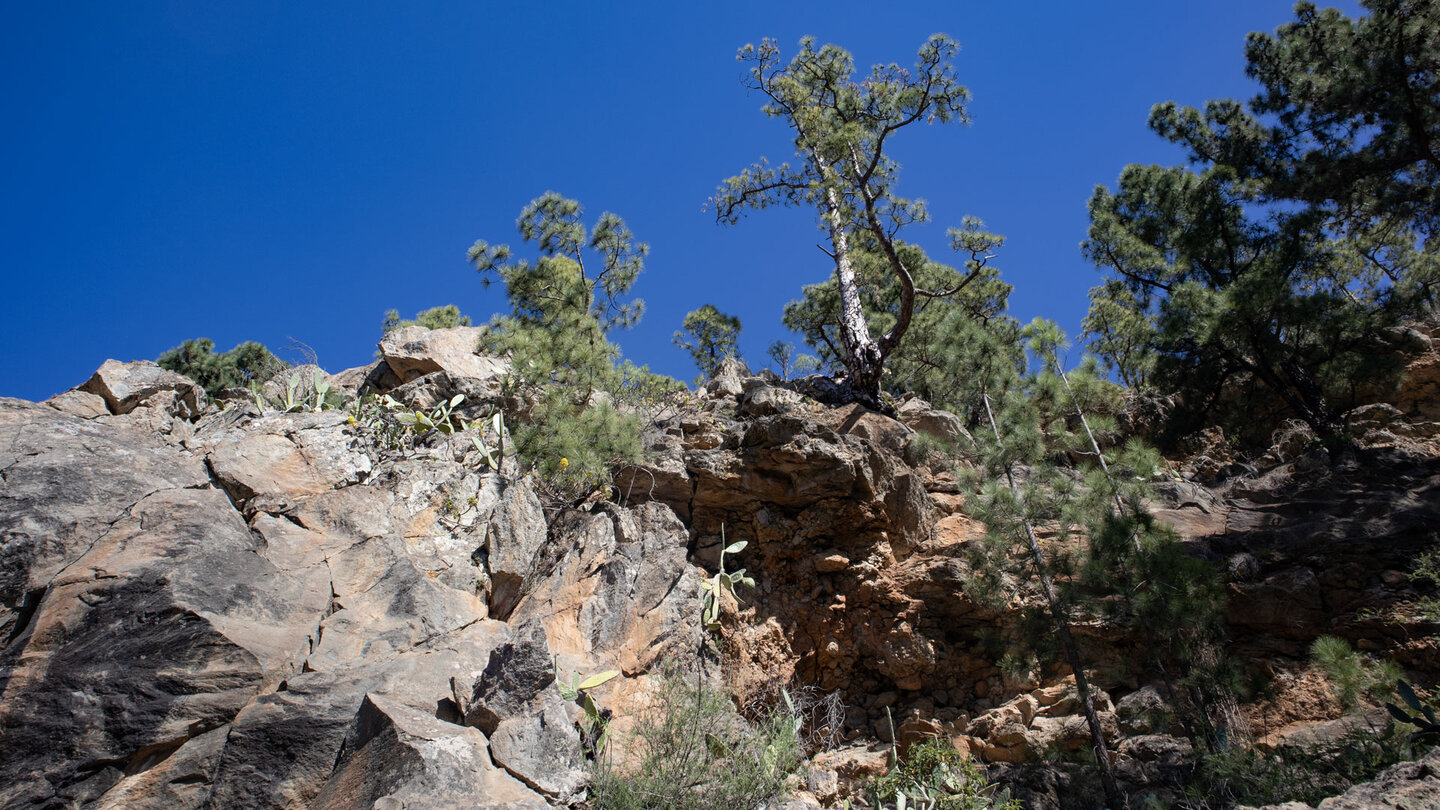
(1394,578)
(830,561)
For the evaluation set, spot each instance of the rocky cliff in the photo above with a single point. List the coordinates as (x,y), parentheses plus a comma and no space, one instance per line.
(224,607)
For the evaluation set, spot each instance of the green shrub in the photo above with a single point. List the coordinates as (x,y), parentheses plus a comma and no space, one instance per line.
(432,318)
(562,364)
(1245,776)
(1352,675)
(924,448)
(572,448)
(1427,568)
(247,363)
(692,751)
(933,776)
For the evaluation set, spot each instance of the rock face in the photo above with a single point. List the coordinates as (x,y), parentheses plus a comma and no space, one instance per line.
(207,608)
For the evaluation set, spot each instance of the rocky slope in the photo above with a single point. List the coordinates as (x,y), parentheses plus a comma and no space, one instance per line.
(207,607)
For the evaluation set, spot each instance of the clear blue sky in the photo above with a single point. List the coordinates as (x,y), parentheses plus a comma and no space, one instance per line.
(268,171)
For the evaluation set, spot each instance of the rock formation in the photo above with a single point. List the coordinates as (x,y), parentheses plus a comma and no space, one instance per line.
(222,608)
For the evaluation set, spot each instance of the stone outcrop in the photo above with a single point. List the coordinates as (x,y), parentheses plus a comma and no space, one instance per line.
(214,608)
(412,352)
(206,608)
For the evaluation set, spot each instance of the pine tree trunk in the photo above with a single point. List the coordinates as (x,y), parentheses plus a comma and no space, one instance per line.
(863,359)
(1067,641)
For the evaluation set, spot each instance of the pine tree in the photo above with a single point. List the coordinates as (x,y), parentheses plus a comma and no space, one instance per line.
(842,130)
(709,336)
(1223,299)
(1132,571)
(924,363)
(790,365)
(561,361)
(1346,124)
(1275,267)
(1018,490)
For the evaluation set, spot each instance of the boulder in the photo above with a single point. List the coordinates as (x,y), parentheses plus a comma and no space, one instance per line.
(619,593)
(728,379)
(160,631)
(514,536)
(399,757)
(412,352)
(1145,711)
(79,403)
(920,416)
(280,458)
(124,386)
(768,400)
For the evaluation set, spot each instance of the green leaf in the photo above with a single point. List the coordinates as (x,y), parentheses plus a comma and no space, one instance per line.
(1408,695)
(736,547)
(598,678)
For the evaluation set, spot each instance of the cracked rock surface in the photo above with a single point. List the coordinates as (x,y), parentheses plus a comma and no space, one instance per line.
(206,608)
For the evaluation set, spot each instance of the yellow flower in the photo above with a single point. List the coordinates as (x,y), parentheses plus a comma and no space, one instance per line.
(564,462)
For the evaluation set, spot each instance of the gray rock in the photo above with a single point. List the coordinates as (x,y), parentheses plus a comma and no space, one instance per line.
(728,379)
(79,403)
(515,703)
(124,386)
(660,477)
(518,672)
(414,351)
(919,415)
(1144,711)
(619,590)
(271,462)
(768,400)
(514,536)
(161,631)
(170,779)
(541,747)
(397,754)
(1407,786)
(284,745)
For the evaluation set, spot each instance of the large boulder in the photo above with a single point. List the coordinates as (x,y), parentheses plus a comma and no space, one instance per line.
(124,386)
(412,352)
(199,622)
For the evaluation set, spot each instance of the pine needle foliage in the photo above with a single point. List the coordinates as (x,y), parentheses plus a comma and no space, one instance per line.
(842,131)
(246,363)
(926,363)
(1353,676)
(1019,491)
(1048,467)
(442,317)
(709,336)
(562,364)
(1130,571)
(1267,277)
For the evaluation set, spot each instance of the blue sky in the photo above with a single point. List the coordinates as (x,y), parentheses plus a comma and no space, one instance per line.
(289,171)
